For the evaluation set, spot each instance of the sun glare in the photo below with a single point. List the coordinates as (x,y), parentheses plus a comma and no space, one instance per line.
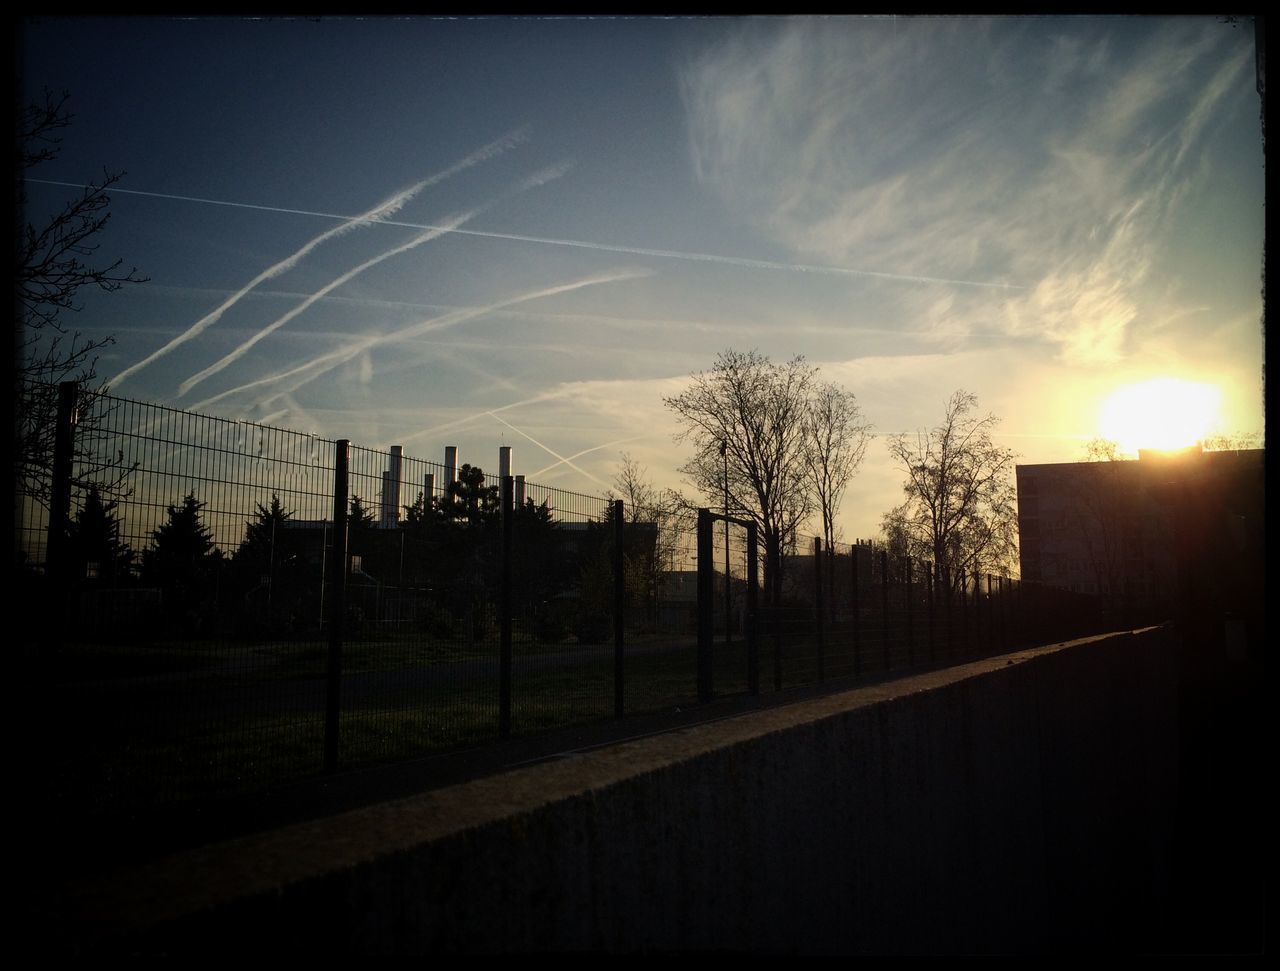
(1162,413)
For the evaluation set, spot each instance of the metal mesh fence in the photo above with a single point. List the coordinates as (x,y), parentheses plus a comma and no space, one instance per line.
(182,629)
(186,617)
(562,599)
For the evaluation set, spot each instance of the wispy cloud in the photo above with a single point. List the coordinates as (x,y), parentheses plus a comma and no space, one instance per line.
(379,213)
(1050,153)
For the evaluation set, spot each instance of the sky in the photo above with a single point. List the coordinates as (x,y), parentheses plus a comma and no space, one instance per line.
(479,232)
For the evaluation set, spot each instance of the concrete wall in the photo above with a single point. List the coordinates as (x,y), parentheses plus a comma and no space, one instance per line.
(1021,803)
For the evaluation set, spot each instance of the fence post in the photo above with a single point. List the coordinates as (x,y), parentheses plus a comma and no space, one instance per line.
(64,441)
(753,607)
(975,615)
(911,643)
(993,640)
(706,594)
(930,605)
(948,595)
(619,602)
(773,586)
(504,609)
(1006,586)
(337,569)
(884,606)
(857,611)
(818,604)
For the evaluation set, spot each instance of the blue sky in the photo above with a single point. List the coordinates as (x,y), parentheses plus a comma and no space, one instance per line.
(564,218)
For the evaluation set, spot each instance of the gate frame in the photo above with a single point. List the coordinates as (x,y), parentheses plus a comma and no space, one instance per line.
(706,606)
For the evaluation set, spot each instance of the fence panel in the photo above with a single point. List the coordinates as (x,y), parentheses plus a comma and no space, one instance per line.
(563,550)
(183,624)
(181,617)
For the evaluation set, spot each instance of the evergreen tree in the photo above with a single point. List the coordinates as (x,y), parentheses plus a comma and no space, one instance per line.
(361,533)
(264,537)
(272,569)
(94,546)
(359,517)
(183,561)
(470,501)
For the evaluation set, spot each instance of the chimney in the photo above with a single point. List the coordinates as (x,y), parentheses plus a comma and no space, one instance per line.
(519,500)
(428,490)
(504,462)
(450,465)
(391,494)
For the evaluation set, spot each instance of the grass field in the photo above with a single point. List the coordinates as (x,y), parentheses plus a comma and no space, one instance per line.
(159,722)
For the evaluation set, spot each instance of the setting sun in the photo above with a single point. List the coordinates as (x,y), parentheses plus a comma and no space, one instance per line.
(1161,413)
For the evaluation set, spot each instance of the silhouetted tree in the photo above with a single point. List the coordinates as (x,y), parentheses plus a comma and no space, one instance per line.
(360,532)
(837,437)
(1103,516)
(1232,441)
(95,549)
(183,562)
(470,501)
(51,271)
(756,410)
(653,521)
(960,509)
(272,568)
(263,533)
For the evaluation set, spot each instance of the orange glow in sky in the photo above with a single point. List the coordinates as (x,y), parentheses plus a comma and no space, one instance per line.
(1161,413)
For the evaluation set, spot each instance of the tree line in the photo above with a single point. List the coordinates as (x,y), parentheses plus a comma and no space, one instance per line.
(776,444)
(442,561)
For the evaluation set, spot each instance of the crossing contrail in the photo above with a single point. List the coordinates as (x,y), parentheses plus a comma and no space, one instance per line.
(436,429)
(328,288)
(542,177)
(310,370)
(586,451)
(549,450)
(378,213)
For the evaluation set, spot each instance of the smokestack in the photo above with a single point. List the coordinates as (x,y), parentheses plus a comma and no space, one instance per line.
(504,462)
(384,510)
(519,492)
(391,512)
(429,490)
(450,465)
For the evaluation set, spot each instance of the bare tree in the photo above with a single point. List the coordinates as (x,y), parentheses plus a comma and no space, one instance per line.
(54,263)
(960,507)
(837,437)
(1232,442)
(649,508)
(1102,516)
(756,410)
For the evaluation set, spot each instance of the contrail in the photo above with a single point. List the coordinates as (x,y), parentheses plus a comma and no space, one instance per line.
(568,462)
(586,451)
(436,429)
(289,262)
(378,213)
(543,176)
(539,178)
(610,247)
(271,328)
(326,362)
